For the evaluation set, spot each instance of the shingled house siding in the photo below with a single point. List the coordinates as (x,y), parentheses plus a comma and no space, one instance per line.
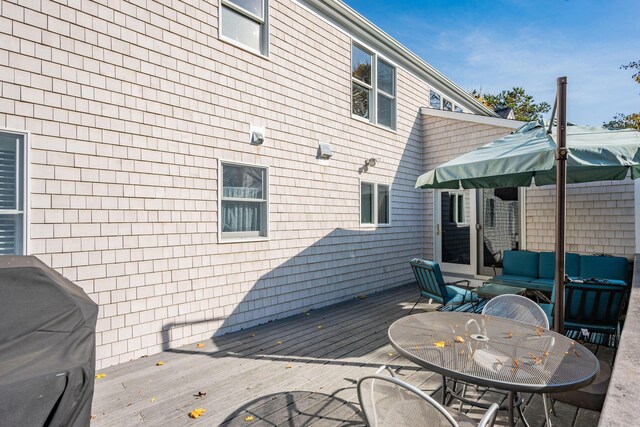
(130,107)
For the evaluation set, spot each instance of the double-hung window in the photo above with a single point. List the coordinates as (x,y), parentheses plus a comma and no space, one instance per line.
(12,193)
(244,202)
(374,203)
(245,22)
(373,87)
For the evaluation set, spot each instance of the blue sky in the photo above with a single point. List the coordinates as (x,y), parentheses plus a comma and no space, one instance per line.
(495,45)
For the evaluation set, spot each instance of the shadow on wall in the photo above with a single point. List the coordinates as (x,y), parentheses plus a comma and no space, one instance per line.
(340,265)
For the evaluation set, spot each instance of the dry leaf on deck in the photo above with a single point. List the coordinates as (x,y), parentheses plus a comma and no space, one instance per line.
(153,399)
(200,345)
(320,326)
(201,394)
(509,334)
(93,417)
(439,344)
(279,342)
(249,418)
(159,363)
(98,376)
(288,367)
(459,339)
(197,413)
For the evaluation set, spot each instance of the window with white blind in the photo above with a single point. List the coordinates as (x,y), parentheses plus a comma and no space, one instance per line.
(245,22)
(244,202)
(12,193)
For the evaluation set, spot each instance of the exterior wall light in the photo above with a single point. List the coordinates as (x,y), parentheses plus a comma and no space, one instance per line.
(257,135)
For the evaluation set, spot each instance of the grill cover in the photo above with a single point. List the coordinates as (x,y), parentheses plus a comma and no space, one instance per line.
(47,346)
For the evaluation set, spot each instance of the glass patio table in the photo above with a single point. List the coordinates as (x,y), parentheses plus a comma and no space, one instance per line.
(493,352)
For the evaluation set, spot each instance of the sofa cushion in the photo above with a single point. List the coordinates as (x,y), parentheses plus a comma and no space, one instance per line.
(520,263)
(543,284)
(547,265)
(512,279)
(603,267)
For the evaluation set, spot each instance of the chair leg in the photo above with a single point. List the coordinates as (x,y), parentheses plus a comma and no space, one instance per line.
(464,391)
(522,418)
(414,305)
(546,409)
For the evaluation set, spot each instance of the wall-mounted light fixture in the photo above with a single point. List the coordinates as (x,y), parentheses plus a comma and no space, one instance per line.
(324,151)
(371,162)
(257,134)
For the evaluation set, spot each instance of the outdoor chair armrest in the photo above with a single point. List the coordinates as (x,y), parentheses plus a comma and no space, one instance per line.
(461,281)
(490,416)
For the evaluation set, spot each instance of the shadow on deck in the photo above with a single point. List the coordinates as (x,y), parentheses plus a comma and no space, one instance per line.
(298,371)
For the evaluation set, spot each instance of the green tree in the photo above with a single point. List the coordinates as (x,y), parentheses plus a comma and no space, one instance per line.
(523,105)
(627,121)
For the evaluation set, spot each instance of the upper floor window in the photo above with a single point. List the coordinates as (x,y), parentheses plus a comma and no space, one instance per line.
(244,209)
(373,87)
(245,22)
(439,102)
(374,203)
(12,193)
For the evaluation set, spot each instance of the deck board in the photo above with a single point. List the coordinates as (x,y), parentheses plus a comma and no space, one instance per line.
(287,372)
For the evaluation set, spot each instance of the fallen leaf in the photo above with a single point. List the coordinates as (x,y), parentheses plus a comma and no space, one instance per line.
(320,326)
(153,399)
(546,353)
(576,352)
(93,417)
(159,363)
(288,367)
(249,418)
(390,354)
(197,413)
(515,361)
(509,334)
(439,344)
(98,376)
(201,394)
(279,342)
(459,339)
(200,345)
(538,332)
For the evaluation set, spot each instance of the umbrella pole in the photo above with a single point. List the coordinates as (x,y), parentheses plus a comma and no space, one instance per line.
(561,203)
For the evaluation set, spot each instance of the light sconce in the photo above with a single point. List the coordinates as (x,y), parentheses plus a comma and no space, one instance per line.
(371,162)
(324,151)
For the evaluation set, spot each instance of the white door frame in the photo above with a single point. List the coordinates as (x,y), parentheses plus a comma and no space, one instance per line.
(472,268)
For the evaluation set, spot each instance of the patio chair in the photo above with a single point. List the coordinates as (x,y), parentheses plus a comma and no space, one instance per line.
(433,286)
(594,307)
(517,307)
(388,401)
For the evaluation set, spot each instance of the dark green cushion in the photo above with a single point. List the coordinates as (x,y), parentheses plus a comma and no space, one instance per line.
(520,263)
(547,267)
(603,267)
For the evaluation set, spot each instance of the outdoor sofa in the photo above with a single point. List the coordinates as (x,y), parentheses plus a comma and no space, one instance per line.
(536,270)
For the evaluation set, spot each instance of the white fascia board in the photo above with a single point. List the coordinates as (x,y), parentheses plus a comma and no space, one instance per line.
(494,121)
(351,22)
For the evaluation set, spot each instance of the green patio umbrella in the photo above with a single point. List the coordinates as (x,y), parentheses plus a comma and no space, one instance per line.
(531,155)
(528,156)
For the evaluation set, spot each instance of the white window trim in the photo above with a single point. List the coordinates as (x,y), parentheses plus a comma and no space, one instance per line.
(454,104)
(264,22)
(375,204)
(373,87)
(466,221)
(243,237)
(26,214)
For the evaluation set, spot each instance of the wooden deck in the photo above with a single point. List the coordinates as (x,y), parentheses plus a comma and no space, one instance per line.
(299,371)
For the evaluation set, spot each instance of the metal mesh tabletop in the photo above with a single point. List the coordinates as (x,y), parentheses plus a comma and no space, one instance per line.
(494,352)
